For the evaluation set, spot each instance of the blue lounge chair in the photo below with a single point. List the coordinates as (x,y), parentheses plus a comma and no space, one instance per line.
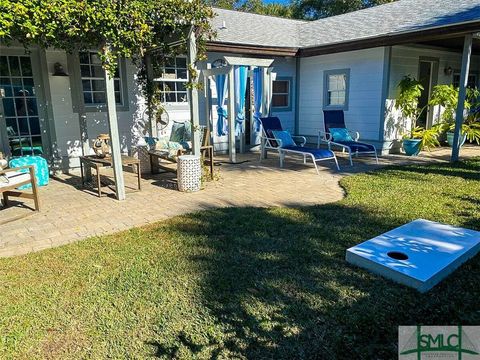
(337,135)
(275,138)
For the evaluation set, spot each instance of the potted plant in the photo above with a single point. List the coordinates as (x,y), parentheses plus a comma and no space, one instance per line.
(446,96)
(471,126)
(416,138)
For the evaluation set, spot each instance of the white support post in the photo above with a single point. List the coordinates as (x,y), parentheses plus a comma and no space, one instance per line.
(270,91)
(231,117)
(467,52)
(208,107)
(193,94)
(114,137)
(265,85)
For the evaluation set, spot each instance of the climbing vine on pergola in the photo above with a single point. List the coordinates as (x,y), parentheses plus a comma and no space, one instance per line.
(118,28)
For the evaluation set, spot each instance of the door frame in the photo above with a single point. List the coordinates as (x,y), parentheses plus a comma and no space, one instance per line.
(434,63)
(37,68)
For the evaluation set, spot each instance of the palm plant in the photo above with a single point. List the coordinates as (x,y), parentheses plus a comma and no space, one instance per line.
(407,102)
(471,127)
(447,97)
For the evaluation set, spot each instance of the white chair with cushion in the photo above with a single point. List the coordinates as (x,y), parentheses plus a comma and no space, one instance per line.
(12,179)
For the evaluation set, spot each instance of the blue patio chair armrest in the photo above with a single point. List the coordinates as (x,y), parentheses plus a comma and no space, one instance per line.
(303,138)
(269,139)
(323,138)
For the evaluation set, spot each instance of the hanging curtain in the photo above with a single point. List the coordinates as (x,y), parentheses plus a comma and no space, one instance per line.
(221,84)
(240,81)
(258,95)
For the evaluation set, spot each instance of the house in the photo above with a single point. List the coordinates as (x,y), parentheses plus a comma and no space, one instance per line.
(54,103)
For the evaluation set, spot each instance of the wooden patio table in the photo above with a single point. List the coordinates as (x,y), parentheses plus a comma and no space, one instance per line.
(87,163)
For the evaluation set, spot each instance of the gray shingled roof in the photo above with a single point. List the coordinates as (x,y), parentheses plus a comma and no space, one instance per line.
(396,17)
(393,18)
(254,29)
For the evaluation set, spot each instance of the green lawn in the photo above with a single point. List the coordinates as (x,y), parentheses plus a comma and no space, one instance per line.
(243,283)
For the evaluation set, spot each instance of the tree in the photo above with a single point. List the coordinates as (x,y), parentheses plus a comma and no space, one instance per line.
(316,9)
(254,6)
(272,9)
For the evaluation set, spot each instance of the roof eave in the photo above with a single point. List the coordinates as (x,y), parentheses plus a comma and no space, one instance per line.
(259,50)
(399,38)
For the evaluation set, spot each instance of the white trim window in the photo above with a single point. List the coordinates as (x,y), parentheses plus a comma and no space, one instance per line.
(172,76)
(336,87)
(472,80)
(281,93)
(93,80)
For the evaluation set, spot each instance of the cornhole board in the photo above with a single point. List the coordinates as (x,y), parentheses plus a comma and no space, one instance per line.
(419,254)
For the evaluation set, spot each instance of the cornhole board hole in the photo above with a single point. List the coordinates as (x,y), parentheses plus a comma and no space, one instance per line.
(419,254)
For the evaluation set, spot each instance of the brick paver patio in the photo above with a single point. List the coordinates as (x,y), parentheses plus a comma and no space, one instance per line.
(70,213)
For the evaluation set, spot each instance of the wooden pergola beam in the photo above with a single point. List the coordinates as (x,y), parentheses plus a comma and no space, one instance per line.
(216,71)
(193,94)
(247,61)
(114,137)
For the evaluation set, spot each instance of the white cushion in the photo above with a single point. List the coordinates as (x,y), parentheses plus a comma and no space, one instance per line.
(3,164)
(13,178)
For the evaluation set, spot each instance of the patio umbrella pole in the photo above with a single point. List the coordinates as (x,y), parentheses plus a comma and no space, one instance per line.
(114,137)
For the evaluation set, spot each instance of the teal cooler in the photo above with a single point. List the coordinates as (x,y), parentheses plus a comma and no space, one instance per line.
(40,165)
